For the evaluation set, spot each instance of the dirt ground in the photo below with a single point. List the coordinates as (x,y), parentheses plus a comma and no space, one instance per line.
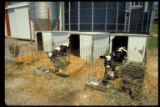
(24,87)
(10,41)
(155,35)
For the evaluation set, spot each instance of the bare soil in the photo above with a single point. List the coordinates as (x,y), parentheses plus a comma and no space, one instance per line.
(155,35)
(10,41)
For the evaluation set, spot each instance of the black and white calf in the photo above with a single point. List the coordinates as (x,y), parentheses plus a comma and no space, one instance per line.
(59,51)
(117,55)
(63,49)
(120,54)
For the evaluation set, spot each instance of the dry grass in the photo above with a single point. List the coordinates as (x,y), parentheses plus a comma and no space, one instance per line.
(40,58)
(26,47)
(76,65)
(151,81)
(58,90)
(26,64)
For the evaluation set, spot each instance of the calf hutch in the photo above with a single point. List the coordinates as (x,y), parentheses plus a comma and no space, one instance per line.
(136,45)
(87,45)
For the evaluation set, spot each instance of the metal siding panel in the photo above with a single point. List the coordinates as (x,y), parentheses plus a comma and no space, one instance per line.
(136,48)
(22,23)
(85,47)
(12,21)
(47,41)
(100,46)
(59,38)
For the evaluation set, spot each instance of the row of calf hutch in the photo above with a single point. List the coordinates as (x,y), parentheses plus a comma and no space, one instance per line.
(90,45)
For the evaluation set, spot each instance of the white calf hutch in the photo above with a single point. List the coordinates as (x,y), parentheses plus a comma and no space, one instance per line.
(90,45)
(87,45)
(136,45)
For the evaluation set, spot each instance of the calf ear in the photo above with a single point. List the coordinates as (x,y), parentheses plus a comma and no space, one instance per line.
(102,57)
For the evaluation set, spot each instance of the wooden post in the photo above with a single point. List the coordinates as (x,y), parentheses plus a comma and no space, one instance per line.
(48,20)
(7,23)
(7,19)
(30,25)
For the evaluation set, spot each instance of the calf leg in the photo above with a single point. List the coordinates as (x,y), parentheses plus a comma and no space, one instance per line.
(104,81)
(105,74)
(51,58)
(112,72)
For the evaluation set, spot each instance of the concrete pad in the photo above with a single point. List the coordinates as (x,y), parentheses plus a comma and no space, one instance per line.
(96,84)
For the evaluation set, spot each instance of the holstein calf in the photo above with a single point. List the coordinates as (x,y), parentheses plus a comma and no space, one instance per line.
(121,54)
(63,49)
(118,55)
(59,51)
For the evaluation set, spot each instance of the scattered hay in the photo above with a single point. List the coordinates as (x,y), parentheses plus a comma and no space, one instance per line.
(40,58)
(99,69)
(76,65)
(27,47)
(29,58)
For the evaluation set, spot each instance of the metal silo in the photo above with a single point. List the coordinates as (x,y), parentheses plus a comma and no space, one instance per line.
(39,15)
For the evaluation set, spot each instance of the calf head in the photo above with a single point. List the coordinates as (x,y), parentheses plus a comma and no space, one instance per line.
(107,61)
(120,54)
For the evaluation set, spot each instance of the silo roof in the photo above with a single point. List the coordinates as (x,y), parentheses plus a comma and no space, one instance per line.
(17,5)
